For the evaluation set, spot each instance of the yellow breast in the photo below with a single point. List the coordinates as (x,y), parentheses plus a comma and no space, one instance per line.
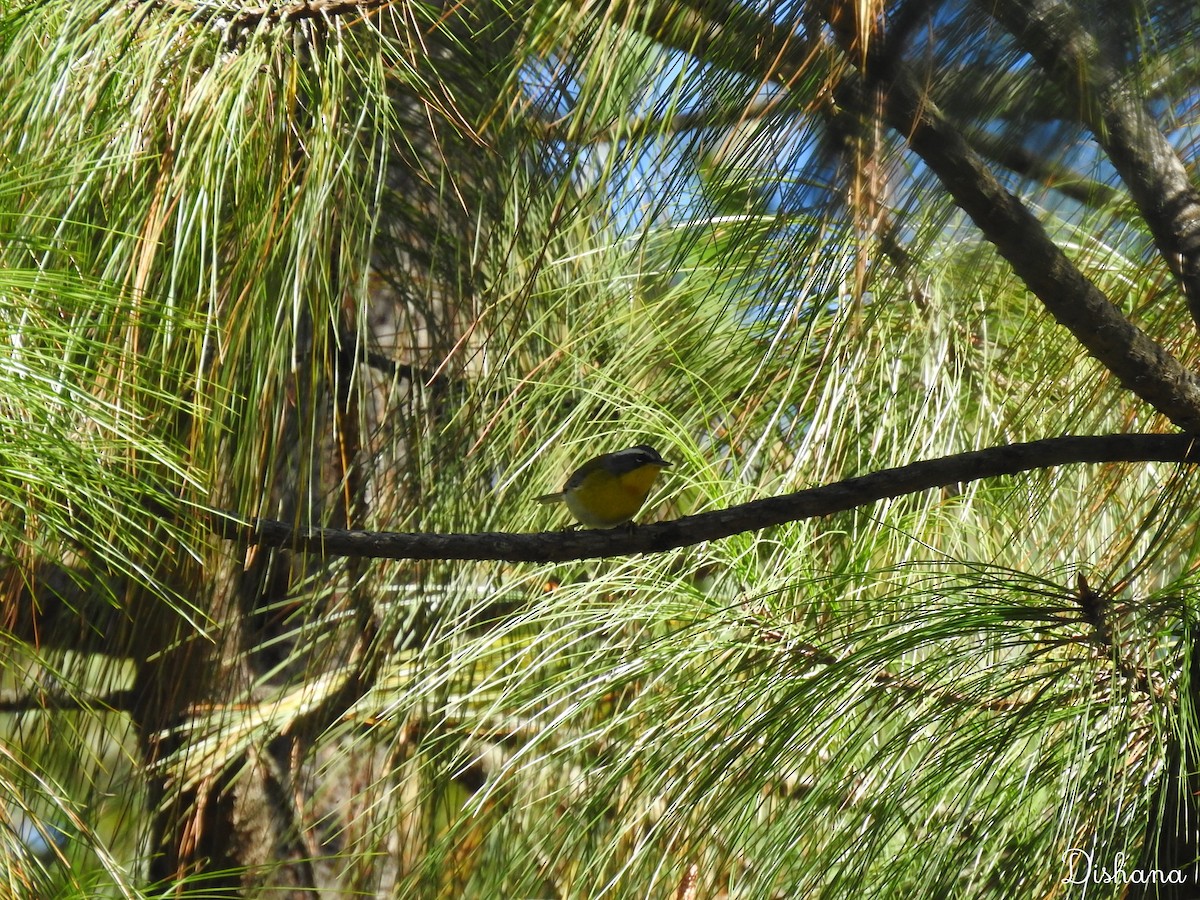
(603,500)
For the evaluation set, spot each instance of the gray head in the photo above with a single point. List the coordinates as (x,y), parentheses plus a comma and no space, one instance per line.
(634,458)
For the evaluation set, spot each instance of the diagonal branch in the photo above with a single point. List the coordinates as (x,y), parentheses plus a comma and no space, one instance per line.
(1053,34)
(1142,365)
(690,530)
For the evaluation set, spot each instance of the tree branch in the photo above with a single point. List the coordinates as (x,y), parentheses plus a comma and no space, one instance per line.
(1141,364)
(1054,35)
(690,530)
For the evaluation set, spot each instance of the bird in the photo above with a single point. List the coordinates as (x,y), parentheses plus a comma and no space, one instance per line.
(608,490)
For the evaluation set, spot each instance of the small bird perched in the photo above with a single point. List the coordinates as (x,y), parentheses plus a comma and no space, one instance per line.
(609,490)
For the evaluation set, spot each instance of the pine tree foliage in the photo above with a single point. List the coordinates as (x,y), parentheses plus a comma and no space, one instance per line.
(402,266)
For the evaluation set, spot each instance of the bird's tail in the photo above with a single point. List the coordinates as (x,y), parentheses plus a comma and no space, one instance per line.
(556,497)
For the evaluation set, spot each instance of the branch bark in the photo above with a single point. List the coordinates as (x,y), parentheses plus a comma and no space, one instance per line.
(1141,364)
(1053,33)
(710,526)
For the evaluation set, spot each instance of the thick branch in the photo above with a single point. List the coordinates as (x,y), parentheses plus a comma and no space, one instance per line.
(1142,365)
(690,530)
(1139,363)
(1052,32)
